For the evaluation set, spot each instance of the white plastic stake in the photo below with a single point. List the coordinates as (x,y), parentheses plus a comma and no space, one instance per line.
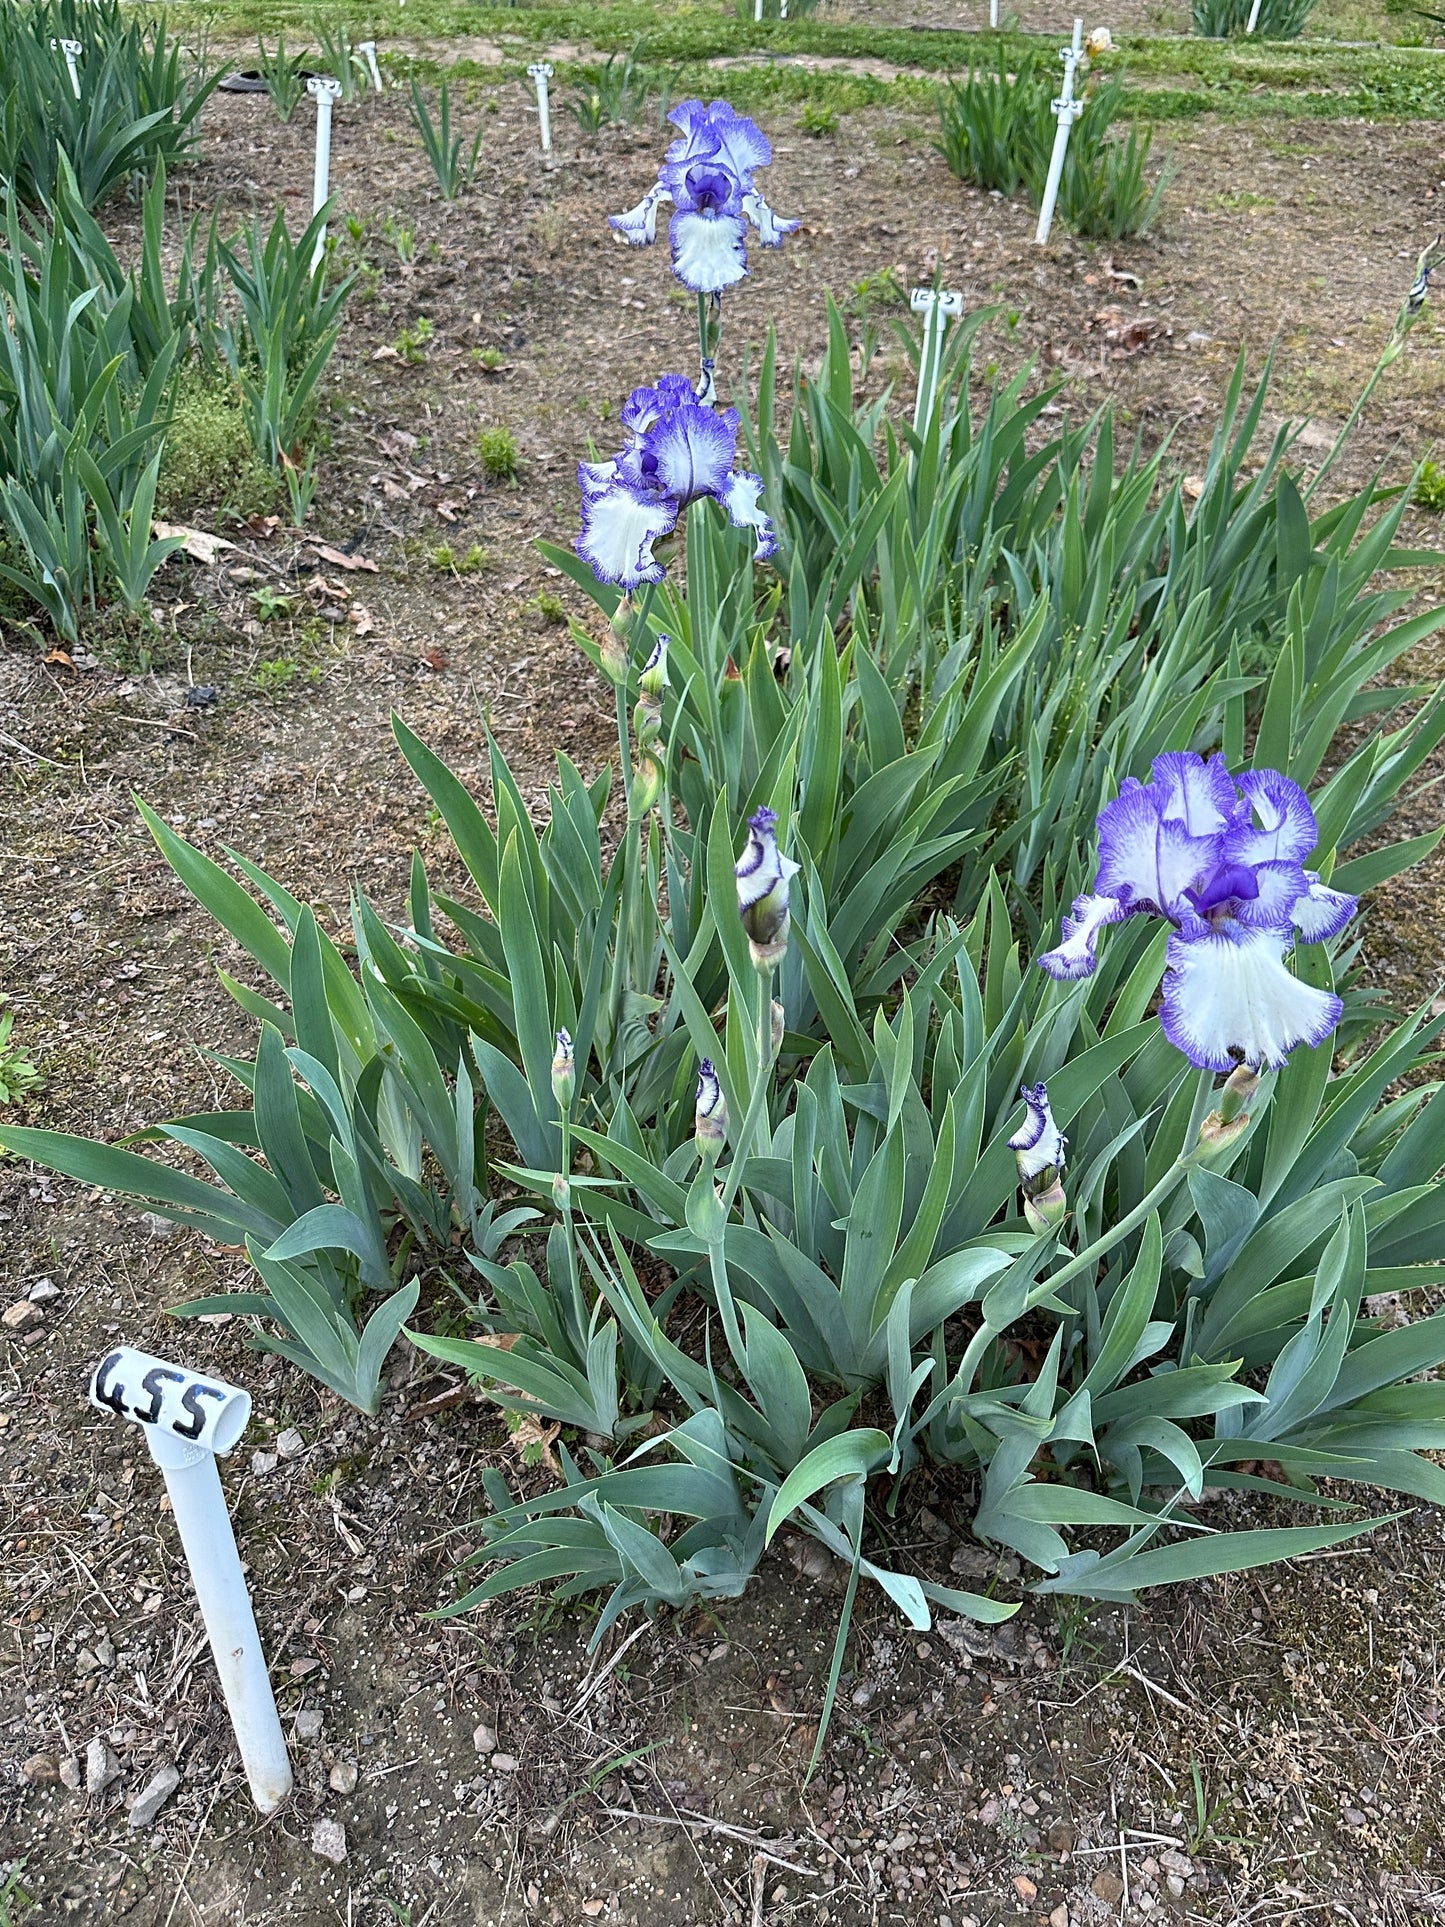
(757,9)
(938,306)
(72,49)
(993,13)
(325,91)
(1068,111)
(1253,20)
(188,1419)
(367,49)
(541,73)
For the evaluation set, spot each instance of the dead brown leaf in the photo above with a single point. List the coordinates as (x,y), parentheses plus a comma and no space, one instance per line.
(448,510)
(340,561)
(196,543)
(397,443)
(359,616)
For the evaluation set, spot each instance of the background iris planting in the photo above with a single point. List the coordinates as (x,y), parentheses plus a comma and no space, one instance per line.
(796,1107)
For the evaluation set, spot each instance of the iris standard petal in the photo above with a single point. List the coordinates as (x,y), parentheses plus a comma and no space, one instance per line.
(742,498)
(1228,997)
(741,143)
(692,449)
(708,251)
(1322,912)
(1278,823)
(1195,791)
(1145,858)
(619,528)
(638,225)
(1077,955)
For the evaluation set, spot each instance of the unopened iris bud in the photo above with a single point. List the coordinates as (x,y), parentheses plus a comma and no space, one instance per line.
(710,1120)
(1039,1151)
(561,1192)
(614,643)
(779,1026)
(646,787)
(564,1071)
(653,679)
(1231,1120)
(763,874)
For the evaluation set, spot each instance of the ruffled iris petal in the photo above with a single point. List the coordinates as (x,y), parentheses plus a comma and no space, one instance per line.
(1278,888)
(1038,1143)
(1322,912)
(618,531)
(708,251)
(1144,858)
(692,450)
(742,498)
(1199,794)
(771,227)
(1277,825)
(1228,997)
(1077,955)
(638,226)
(718,129)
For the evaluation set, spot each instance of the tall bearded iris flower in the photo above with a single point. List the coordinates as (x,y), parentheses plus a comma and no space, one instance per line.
(679,450)
(1222,859)
(707,178)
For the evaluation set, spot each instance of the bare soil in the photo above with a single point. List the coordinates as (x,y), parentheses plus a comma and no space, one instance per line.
(1260,1747)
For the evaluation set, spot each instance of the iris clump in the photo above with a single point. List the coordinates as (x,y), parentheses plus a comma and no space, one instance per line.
(708,179)
(679,450)
(1222,859)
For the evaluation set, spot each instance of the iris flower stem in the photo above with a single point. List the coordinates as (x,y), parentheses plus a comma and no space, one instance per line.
(574,1273)
(1106,1241)
(762,1075)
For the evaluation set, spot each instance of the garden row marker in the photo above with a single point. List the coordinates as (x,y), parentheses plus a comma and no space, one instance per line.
(187,1420)
(367,48)
(1068,110)
(70,48)
(324,90)
(1253,20)
(757,9)
(541,73)
(938,306)
(993,13)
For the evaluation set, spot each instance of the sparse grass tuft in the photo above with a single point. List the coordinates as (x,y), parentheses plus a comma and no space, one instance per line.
(209,461)
(500,456)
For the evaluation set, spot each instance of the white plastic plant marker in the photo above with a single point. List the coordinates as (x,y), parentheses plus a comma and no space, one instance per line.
(1253,20)
(993,13)
(325,91)
(540,72)
(938,306)
(188,1420)
(72,49)
(1068,111)
(757,10)
(367,50)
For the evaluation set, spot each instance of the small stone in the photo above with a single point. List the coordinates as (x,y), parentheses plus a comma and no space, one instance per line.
(1061,1837)
(42,1291)
(86,1662)
(42,1769)
(150,1801)
(343,1777)
(20,1317)
(1353,1817)
(157,1226)
(299,1668)
(1108,1887)
(308,1723)
(1175,1885)
(70,1773)
(1025,1888)
(328,1840)
(290,1444)
(504,1763)
(101,1766)
(105,1652)
(262,1463)
(988,1813)
(484,1739)
(1060,1916)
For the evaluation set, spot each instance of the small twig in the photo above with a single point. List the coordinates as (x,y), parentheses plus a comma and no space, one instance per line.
(594,1681)
(1153,1686)
(24,751)
(694,1824)
(760,1862)
(159,722)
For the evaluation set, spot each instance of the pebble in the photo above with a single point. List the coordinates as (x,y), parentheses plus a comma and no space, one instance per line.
(328,1840)
(105,1652)
(1353,1817)
(153,1798)
(262,1463)
(42,1291)
(308,1723)
(70,1773)
(290,1444)
(1061,1837)
(484,1739)
(42,1769)
(101,1766)
(504,1763)
(1175,1885)
(343,1777)
(1108,1887)
(21,1316)
(1060,1916)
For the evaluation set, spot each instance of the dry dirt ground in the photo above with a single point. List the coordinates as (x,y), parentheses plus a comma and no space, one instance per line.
(1256,1748)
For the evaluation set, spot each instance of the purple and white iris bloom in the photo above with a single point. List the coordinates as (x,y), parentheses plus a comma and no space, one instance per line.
(1222,858)
(679,450)
(1038,1144)
(764,875)
(707,178)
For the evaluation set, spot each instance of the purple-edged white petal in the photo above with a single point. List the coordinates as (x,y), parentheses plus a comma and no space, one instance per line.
(1077,955)
(708,250)
(1277,888)
(1145,858)
(771,227)
(1199,794)
(638,226)
(763,875)
(690,451)
(1278,824)
(1322,912)
(1038,1144)
(595,478)
(717,129)
(1229,997)
(618,531)
(741,496)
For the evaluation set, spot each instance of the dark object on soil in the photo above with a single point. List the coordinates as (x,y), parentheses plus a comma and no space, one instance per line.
(203,696)
(249,81)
